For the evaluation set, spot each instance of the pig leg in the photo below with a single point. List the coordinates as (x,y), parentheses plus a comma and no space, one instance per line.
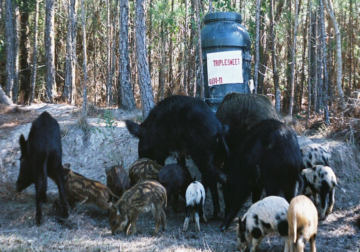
(157,216)
(132,222)
(197,221)
(324,191)
(312,243)
(163,219)
(331,200)
(300,245)
(255,244)
(56,174)
(256,193)
(238,190)
(176,200)
(40,187)
(188,212)
(202,160)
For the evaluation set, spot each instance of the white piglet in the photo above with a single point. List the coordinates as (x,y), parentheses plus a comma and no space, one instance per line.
(195,200)
(266,216)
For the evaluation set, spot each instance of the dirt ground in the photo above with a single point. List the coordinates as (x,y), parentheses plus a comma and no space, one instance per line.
(93,146)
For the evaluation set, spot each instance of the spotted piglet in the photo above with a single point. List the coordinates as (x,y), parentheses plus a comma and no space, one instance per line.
(195,200)
(315,154)
(321,180)
(268,215)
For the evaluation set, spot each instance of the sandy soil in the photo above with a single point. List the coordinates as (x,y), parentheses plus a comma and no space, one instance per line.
(92,147)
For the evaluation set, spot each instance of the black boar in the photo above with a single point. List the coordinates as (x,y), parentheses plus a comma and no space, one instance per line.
(243,111)
(175,179)
(188,126)
(80,188)
(117,180)
(303,222)
(268,158)
(143,169)
(41,157)
(145,196)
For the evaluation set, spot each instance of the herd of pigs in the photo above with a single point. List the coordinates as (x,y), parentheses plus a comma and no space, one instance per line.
(245,147)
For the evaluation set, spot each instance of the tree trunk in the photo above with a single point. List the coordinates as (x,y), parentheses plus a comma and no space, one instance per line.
(200,66)
(70,62)
(170,76)
(185,84)
(324,61)
(108,56)
(150,35)
(15,88)
(33,76)
(286,95)
(114,29)
(303,63)
(329,9)
(10,47)
(84,108)
(312,59)
(4,99)
(50,49)
(257,38)
(146,95)
(126,95)
(191,62)
(309,62)
(24,54)
(275,73)
(160,93)
(293,54)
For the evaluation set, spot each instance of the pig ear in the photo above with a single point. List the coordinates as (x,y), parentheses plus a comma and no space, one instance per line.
(134,128)
(22,143)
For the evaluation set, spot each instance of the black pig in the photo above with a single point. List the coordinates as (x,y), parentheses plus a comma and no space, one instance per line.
(243,111)
(268,158)
(175,179)
(41,156)
(185,125)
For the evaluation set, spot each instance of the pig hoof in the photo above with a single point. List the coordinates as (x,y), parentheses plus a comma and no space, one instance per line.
(223,228)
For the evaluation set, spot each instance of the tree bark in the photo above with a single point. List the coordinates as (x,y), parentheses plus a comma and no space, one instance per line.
(185,84)
(309,61)
(108,56)
(50,49)
(293,60)
(4,99)
(146,95)
(33,75)
(200,66)
(70,62)
(324,61)
(330,11)
(84,107)
(25,76)
(257,53)
(275,73)
(10,47)
(161,87)
(126,95)
(15,88)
